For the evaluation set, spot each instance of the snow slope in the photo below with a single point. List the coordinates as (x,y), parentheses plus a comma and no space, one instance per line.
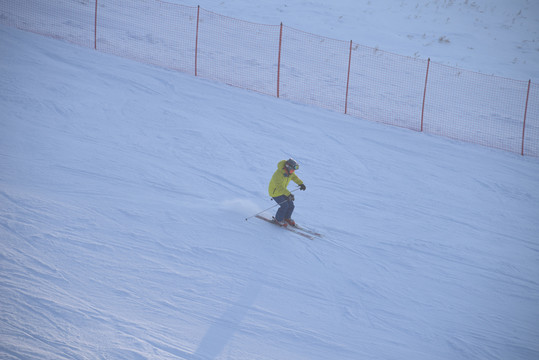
(123,194)
(498,37)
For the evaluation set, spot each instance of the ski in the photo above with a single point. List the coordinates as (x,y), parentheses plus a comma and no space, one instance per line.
(307,230)
(289,228)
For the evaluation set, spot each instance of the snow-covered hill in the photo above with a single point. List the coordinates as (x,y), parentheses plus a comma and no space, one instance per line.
(497,37)
(123,194)
(124,189)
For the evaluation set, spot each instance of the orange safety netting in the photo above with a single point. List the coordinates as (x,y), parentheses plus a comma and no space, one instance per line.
(277,60)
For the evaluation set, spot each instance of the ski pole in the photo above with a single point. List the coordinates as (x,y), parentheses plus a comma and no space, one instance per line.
(252,216)
(247,218)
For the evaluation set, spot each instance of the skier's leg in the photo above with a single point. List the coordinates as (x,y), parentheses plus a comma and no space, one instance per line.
(289,210)
(283,209)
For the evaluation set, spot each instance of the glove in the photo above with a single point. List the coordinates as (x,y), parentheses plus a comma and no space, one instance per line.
(291,197)
(302,187)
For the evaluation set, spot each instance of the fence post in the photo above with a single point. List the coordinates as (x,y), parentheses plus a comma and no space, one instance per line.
(196,42)
(525,113)
(279,60)
(348,79)
(425,94)
(95,26)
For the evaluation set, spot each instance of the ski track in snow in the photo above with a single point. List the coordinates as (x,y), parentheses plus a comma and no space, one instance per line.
(123,193)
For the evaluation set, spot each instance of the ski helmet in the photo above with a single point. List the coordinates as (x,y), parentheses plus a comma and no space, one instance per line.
(291,165)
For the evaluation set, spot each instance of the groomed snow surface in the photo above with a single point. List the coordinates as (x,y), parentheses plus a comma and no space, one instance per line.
(124,190)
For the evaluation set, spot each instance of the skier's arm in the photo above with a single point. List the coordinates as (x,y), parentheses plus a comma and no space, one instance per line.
(296,179)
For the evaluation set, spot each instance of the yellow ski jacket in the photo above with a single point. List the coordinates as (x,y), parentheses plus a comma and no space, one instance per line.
(280,179)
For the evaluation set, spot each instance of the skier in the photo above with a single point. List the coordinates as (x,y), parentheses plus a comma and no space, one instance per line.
(278,191)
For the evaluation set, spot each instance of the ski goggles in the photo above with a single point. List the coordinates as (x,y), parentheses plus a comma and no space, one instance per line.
(292,167)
